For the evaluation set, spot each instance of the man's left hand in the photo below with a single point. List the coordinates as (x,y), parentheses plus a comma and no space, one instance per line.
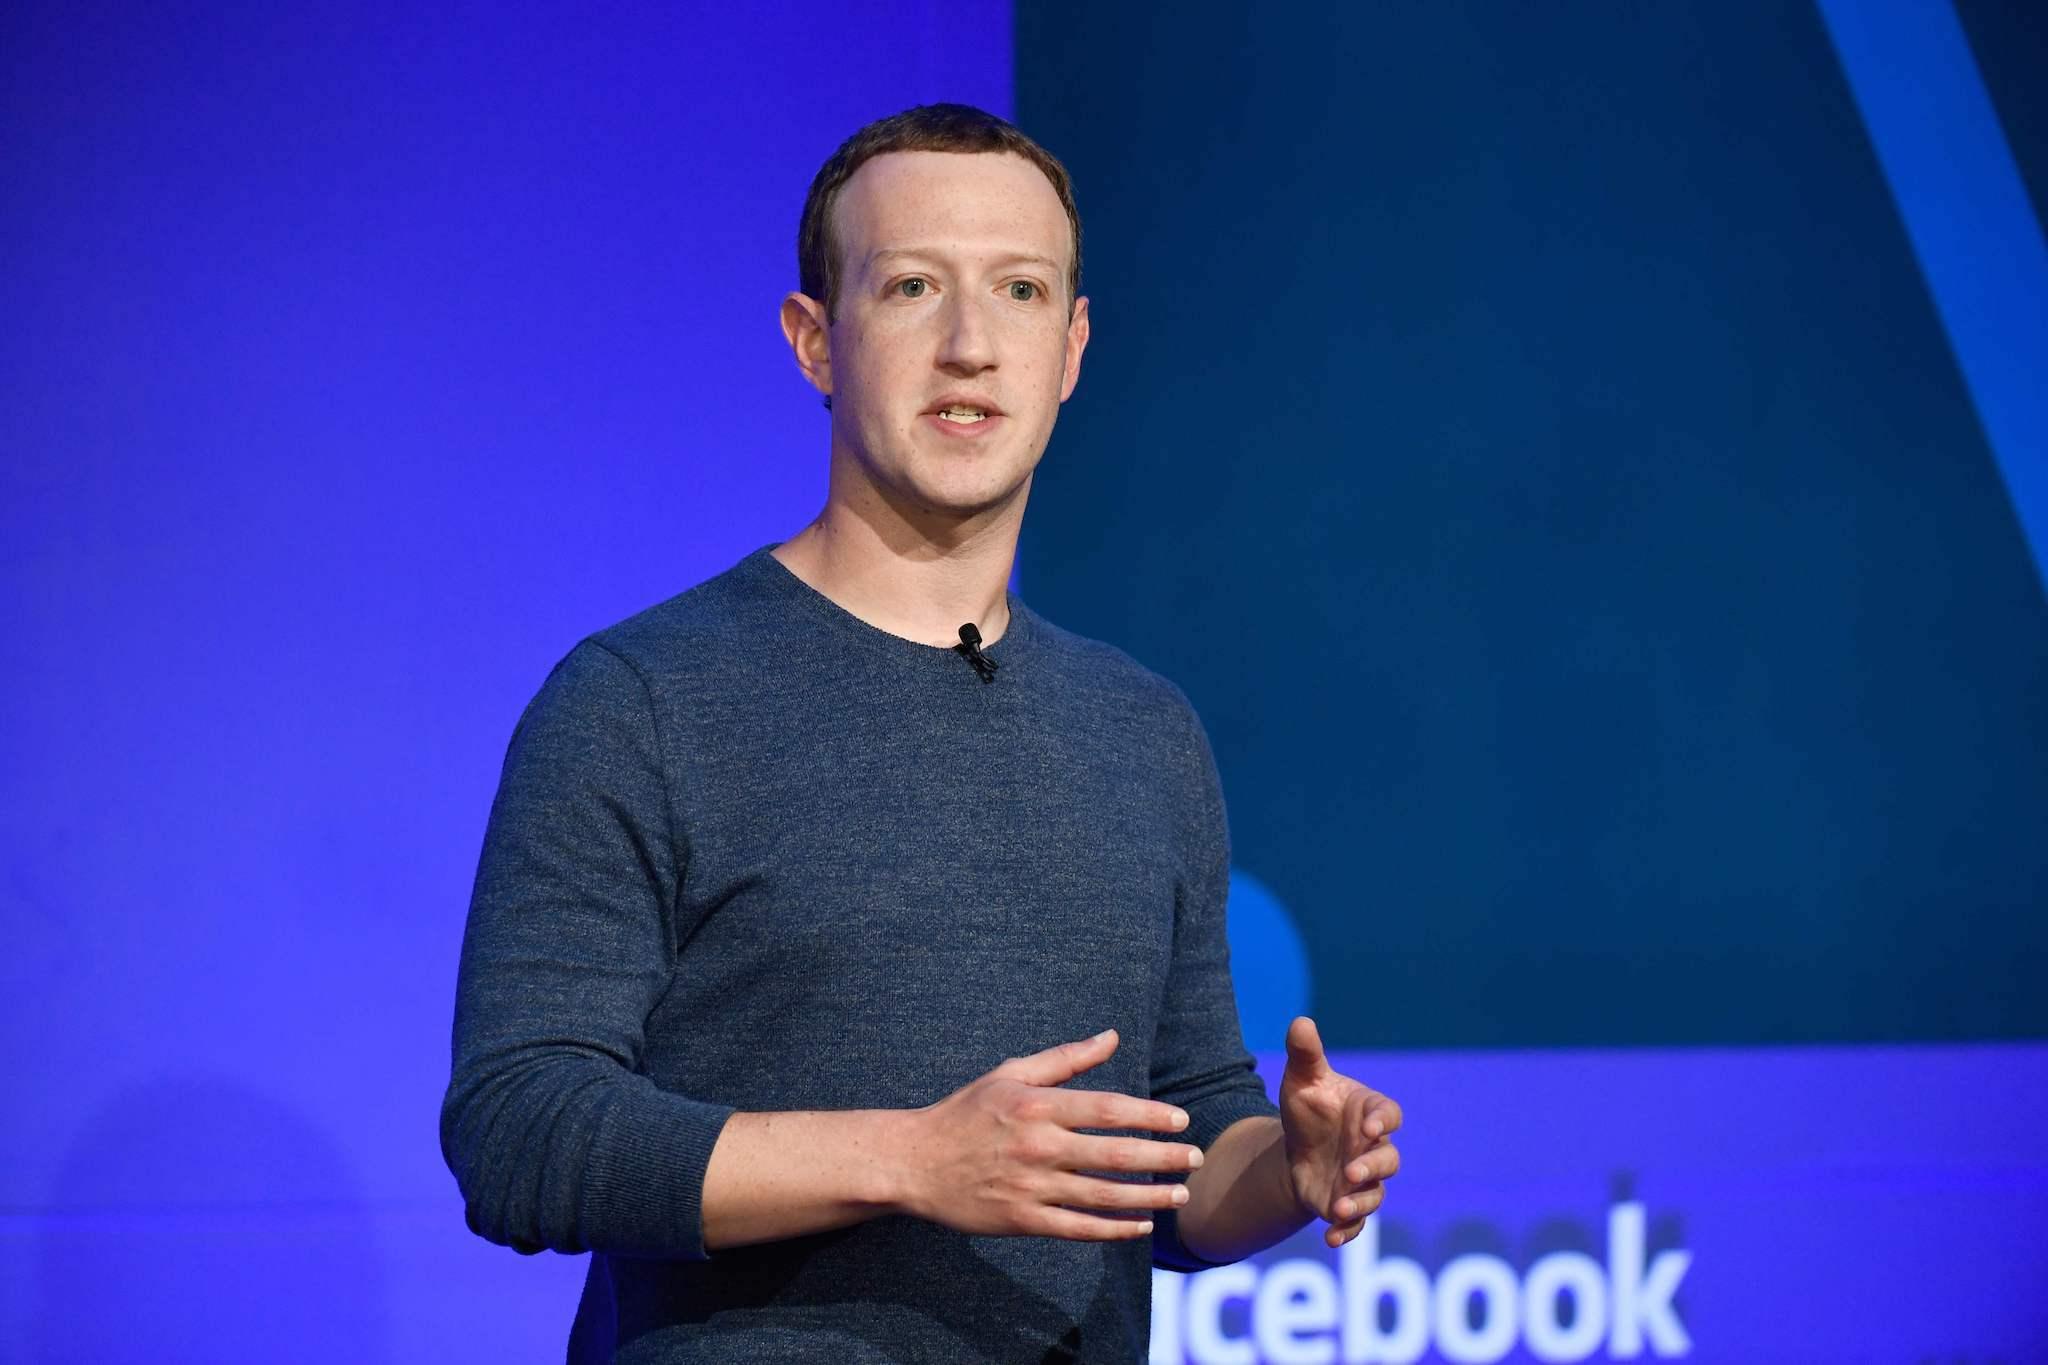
(1339,1137)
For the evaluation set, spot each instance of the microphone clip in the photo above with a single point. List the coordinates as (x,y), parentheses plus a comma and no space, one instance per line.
(970,649)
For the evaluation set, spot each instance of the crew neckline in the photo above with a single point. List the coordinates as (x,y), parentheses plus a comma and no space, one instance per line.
(1022,631)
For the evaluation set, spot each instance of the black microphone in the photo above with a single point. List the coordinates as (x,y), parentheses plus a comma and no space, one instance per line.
(970,647)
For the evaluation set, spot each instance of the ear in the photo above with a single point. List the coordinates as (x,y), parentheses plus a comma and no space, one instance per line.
(804,327)
(1077,342)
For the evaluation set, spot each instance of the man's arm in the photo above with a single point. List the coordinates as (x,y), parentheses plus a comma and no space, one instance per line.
(557,1140)
(555,1137)
(1199,1059)
(998,1157)
(1267,1173)
(1327,1155)
(1241,1201)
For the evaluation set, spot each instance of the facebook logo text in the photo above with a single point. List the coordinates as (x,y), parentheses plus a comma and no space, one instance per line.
(1369,1309)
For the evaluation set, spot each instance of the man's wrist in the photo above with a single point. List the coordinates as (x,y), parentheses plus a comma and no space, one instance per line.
(1247,1200)
(1272,1166)
(890,1140)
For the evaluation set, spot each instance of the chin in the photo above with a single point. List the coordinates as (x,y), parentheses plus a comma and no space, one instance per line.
(958,501)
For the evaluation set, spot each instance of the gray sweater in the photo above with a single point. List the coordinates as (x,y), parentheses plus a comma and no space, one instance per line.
(750,853)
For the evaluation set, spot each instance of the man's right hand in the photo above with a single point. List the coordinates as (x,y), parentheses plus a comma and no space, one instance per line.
(1001,1155)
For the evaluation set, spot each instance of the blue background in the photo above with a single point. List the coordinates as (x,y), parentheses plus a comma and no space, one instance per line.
(1528,435)
(1561,453)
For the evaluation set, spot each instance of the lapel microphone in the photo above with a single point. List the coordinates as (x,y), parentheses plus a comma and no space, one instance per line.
(970,649)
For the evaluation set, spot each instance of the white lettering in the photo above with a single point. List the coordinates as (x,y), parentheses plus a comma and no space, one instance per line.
(1296,1298)
(1641,1303)
(1367,1280)
(1378,1310)
(1167,1290)
(1543,1327)
(1491,1282)
(1207,1289)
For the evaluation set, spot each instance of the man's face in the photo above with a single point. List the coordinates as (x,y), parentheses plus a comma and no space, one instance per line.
(952,302)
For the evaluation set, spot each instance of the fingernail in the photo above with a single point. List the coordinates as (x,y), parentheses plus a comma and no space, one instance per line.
(1145,1226)
(1103,1036)
(1194,1158)
(1180,1119)
(1180,1194)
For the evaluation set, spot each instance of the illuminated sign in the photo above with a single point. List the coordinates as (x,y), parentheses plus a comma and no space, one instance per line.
(1766,1204)
(1371,1308)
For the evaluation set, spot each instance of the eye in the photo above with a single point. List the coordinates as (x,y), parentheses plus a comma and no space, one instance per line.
(1023,291)
(912,288)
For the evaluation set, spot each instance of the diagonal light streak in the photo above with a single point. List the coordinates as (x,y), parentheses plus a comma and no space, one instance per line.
(1966,212)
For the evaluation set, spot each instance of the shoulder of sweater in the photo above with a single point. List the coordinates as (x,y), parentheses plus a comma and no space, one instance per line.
(707,620)
(1099,665)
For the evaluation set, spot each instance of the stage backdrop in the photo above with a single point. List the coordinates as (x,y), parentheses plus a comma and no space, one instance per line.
(1587,466)
(1583,464)
(360,359)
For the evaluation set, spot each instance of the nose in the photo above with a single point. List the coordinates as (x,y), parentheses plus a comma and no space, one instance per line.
(967,346)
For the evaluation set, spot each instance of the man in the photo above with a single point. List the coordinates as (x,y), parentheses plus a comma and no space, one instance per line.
(850,980)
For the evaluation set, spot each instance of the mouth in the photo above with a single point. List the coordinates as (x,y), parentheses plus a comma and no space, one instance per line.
(963,412)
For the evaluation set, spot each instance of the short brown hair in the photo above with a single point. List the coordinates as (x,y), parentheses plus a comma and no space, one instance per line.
(927,128)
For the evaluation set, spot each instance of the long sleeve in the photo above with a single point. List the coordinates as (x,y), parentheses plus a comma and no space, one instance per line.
(1199,1061)
(555,1137)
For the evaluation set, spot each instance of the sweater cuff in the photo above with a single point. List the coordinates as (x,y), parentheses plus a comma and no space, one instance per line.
(645,1180)
(1209,1117)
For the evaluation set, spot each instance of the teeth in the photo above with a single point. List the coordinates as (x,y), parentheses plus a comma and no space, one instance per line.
(962,415)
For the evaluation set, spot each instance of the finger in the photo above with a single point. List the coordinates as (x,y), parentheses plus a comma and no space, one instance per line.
(1358,1204)
(1305,1055)
(1380,1163)
(1336,1236)
(1091,1192)
(1108,1109)
(1382,1117)
(1061,1062)
(1076,1226)
(1132,1156)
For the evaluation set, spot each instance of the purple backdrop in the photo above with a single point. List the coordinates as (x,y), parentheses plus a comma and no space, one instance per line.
(359,360)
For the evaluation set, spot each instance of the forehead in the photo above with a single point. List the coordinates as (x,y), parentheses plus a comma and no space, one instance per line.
(969,203)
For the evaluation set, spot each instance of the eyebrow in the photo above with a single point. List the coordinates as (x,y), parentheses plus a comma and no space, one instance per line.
(931,253)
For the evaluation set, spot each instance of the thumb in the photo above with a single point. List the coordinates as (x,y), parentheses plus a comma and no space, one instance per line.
(1062,1062)
(1305,1056)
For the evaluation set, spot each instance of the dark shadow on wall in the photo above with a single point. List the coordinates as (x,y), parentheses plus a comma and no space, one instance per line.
(197,1219)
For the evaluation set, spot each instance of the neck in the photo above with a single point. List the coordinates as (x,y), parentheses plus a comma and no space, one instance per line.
(914,578)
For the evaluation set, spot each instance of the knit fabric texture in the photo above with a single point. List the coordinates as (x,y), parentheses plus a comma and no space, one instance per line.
(751,853)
